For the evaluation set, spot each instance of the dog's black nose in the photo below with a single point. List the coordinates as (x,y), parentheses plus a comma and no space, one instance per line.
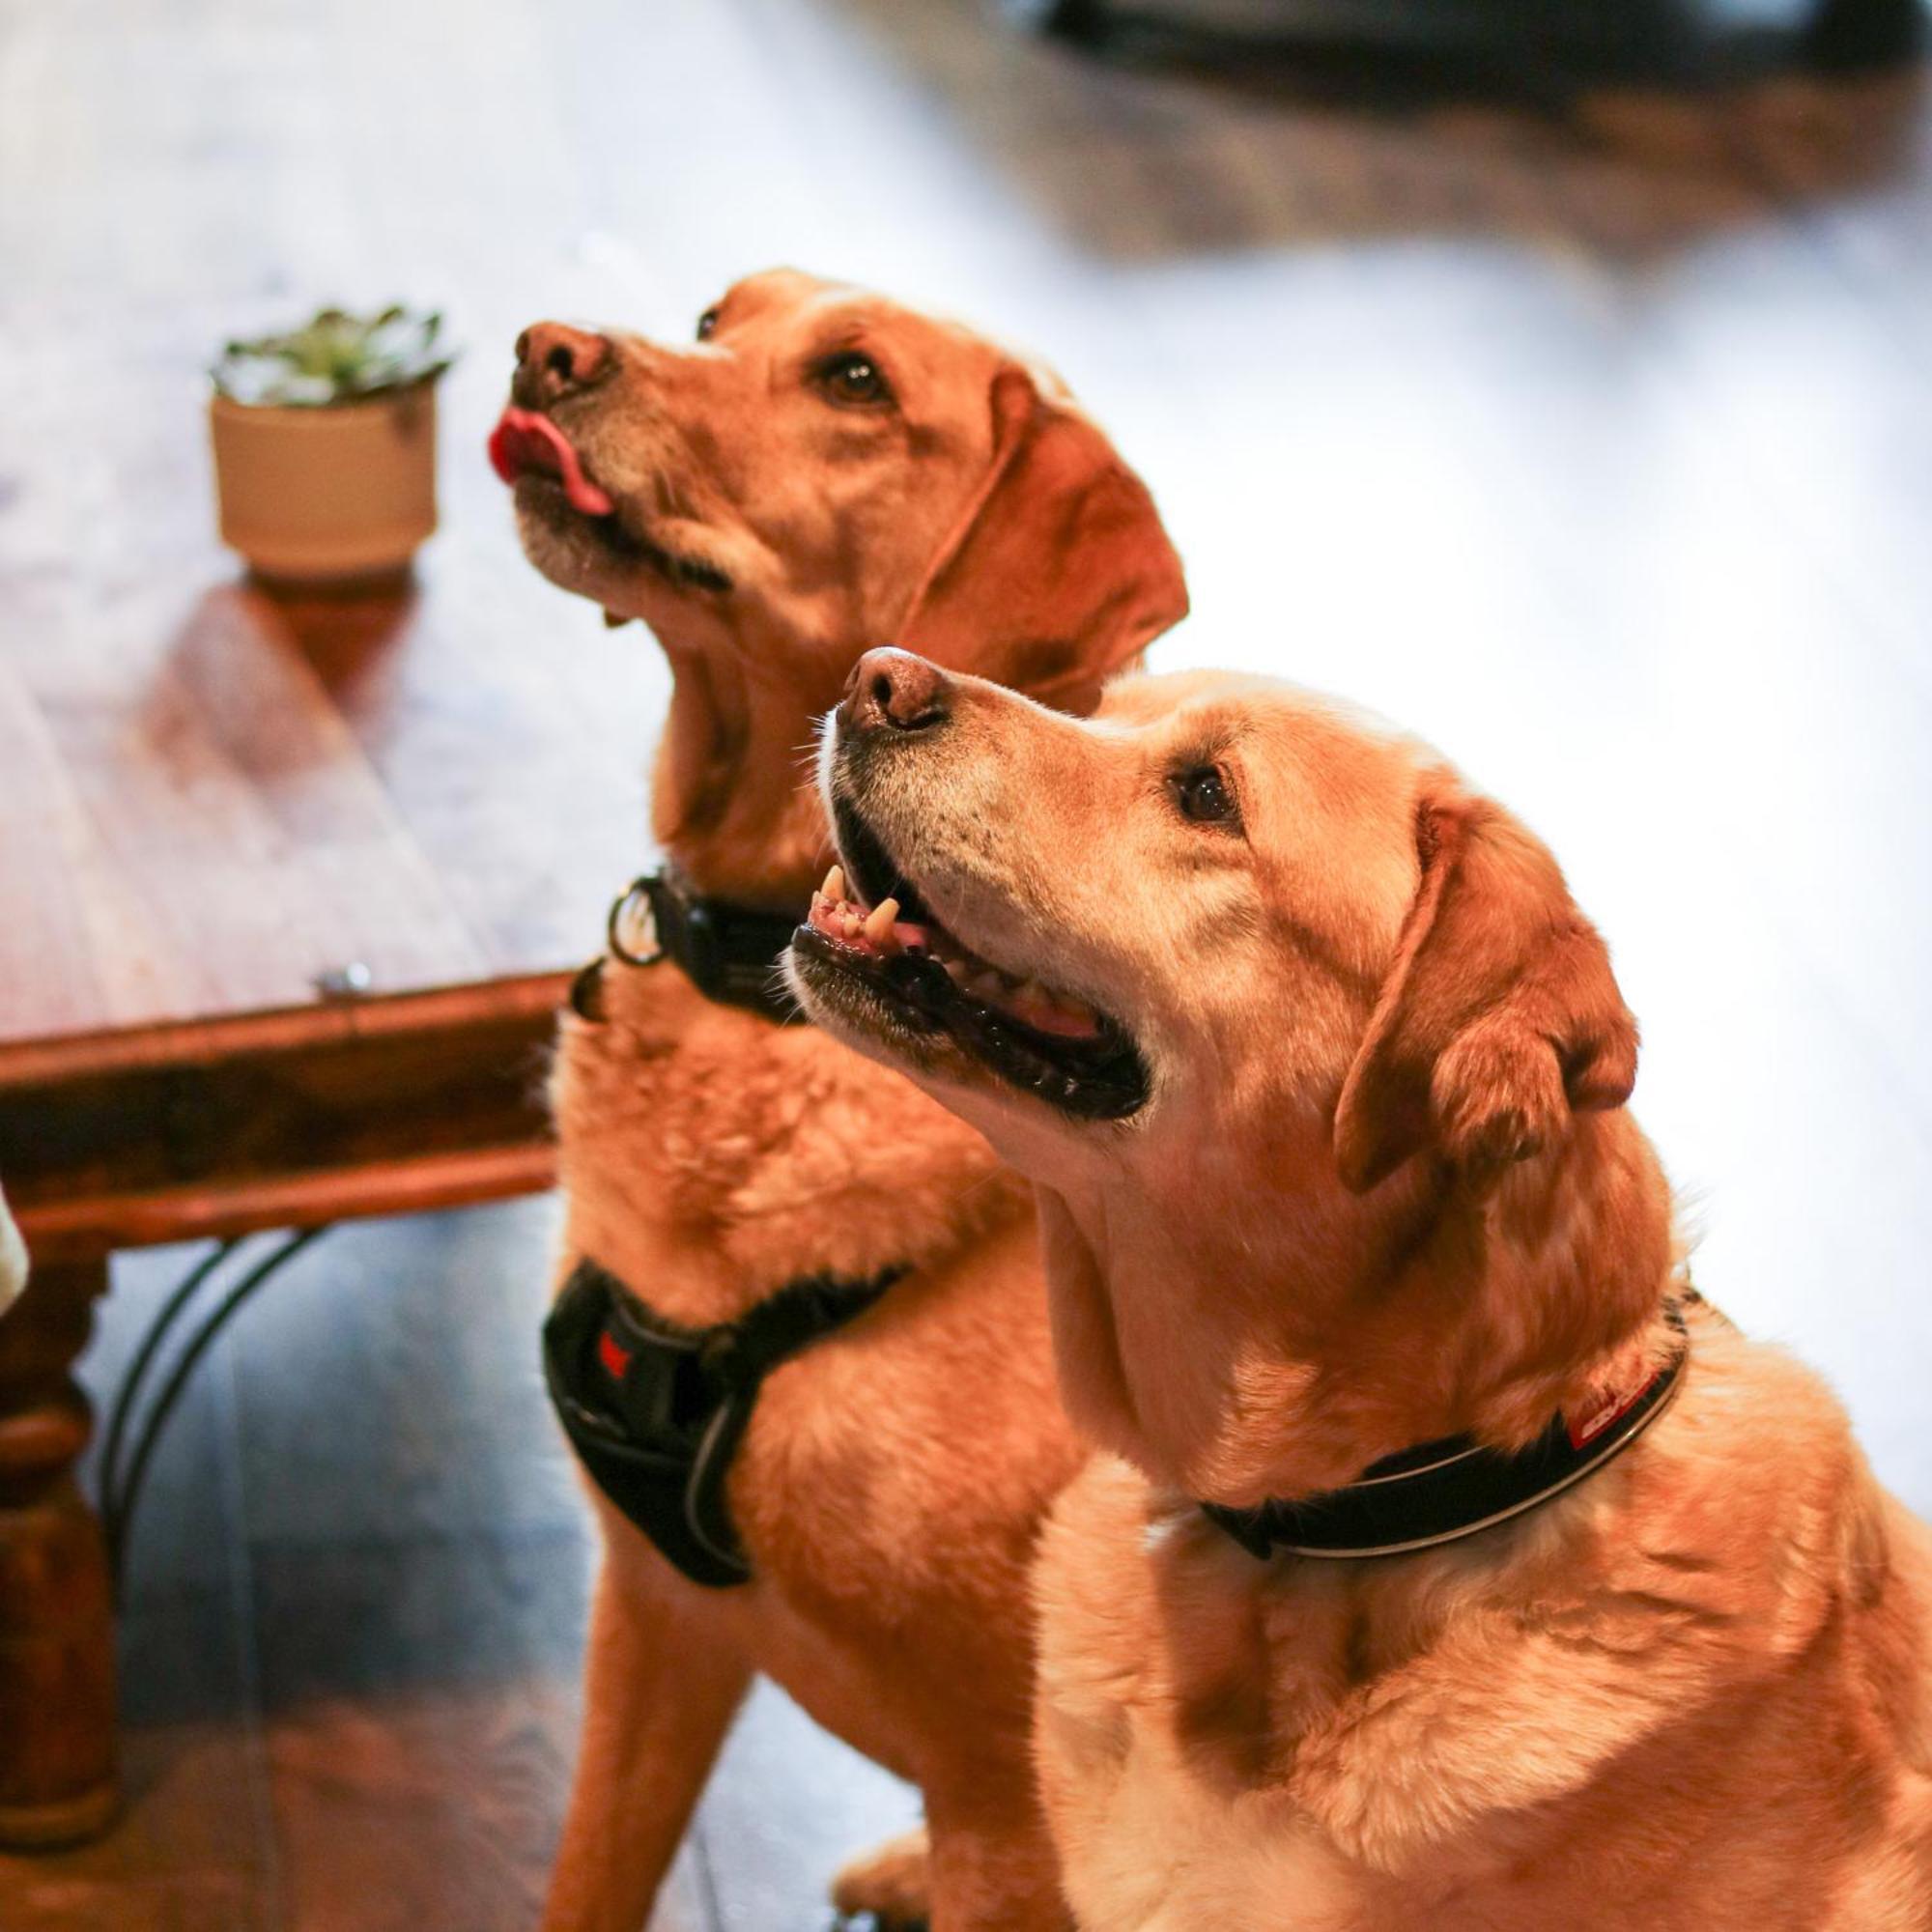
(553,360)
(894,691)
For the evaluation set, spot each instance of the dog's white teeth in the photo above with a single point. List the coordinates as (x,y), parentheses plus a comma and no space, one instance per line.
(834,887)
(957,970)
(879,923)
(986,984)
(851,925)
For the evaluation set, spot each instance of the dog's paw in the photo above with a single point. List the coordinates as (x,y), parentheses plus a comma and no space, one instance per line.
(889,1885)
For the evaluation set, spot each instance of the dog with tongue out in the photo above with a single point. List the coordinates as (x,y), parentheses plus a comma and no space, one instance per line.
(525,442)
(818,470)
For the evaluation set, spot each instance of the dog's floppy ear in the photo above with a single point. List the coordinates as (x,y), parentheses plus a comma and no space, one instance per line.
(1499,1016)
(1060,572)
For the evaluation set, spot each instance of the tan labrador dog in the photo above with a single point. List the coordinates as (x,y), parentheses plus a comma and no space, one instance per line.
(1332,1162)
(820,470)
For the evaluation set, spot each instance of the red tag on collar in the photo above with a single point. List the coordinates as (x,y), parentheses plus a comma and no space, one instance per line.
(1584,1429)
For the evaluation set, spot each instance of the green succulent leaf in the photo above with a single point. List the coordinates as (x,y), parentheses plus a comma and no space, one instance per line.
(335,358)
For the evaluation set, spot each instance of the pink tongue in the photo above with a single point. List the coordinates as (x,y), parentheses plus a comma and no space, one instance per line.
(526,439)
(1041,1014)
(1044,1018)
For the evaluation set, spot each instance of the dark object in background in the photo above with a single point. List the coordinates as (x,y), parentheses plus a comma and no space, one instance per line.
(1683,41)
(1855,34)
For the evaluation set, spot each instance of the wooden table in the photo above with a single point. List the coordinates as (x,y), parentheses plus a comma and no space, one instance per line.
(212,799)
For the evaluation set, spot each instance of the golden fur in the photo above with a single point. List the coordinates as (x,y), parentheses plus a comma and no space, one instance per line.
(1385,1190)
(894,1480)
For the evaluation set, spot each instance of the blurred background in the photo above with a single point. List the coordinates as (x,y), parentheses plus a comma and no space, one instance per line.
(1553,378)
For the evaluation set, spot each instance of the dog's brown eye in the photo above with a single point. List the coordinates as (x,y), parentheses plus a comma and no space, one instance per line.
(707,324)
(1204,795)
(853,377)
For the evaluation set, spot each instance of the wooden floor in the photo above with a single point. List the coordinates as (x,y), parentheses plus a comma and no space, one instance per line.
(1598,447)
(358,1588)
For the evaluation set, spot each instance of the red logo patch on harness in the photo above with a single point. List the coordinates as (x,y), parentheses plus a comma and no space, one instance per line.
(614,1356)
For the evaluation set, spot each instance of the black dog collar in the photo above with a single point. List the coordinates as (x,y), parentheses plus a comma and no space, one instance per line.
(656,1411)
(729,952)
(1442,1491)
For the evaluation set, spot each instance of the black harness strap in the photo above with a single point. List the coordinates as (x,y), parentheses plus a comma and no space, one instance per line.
(656,1411)
(1442,1491)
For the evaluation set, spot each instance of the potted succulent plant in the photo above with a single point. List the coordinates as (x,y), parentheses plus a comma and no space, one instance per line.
(324,445)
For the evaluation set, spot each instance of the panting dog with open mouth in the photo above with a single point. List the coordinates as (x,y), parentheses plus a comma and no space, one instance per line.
(933,986)
(1447,1565)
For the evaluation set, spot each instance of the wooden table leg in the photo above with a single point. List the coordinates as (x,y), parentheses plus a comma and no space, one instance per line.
(56,1618)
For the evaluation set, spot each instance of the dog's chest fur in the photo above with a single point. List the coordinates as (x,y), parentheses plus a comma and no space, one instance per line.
(710,1157)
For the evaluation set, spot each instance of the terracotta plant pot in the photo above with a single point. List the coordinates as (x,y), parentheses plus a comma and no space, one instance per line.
(329,493)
